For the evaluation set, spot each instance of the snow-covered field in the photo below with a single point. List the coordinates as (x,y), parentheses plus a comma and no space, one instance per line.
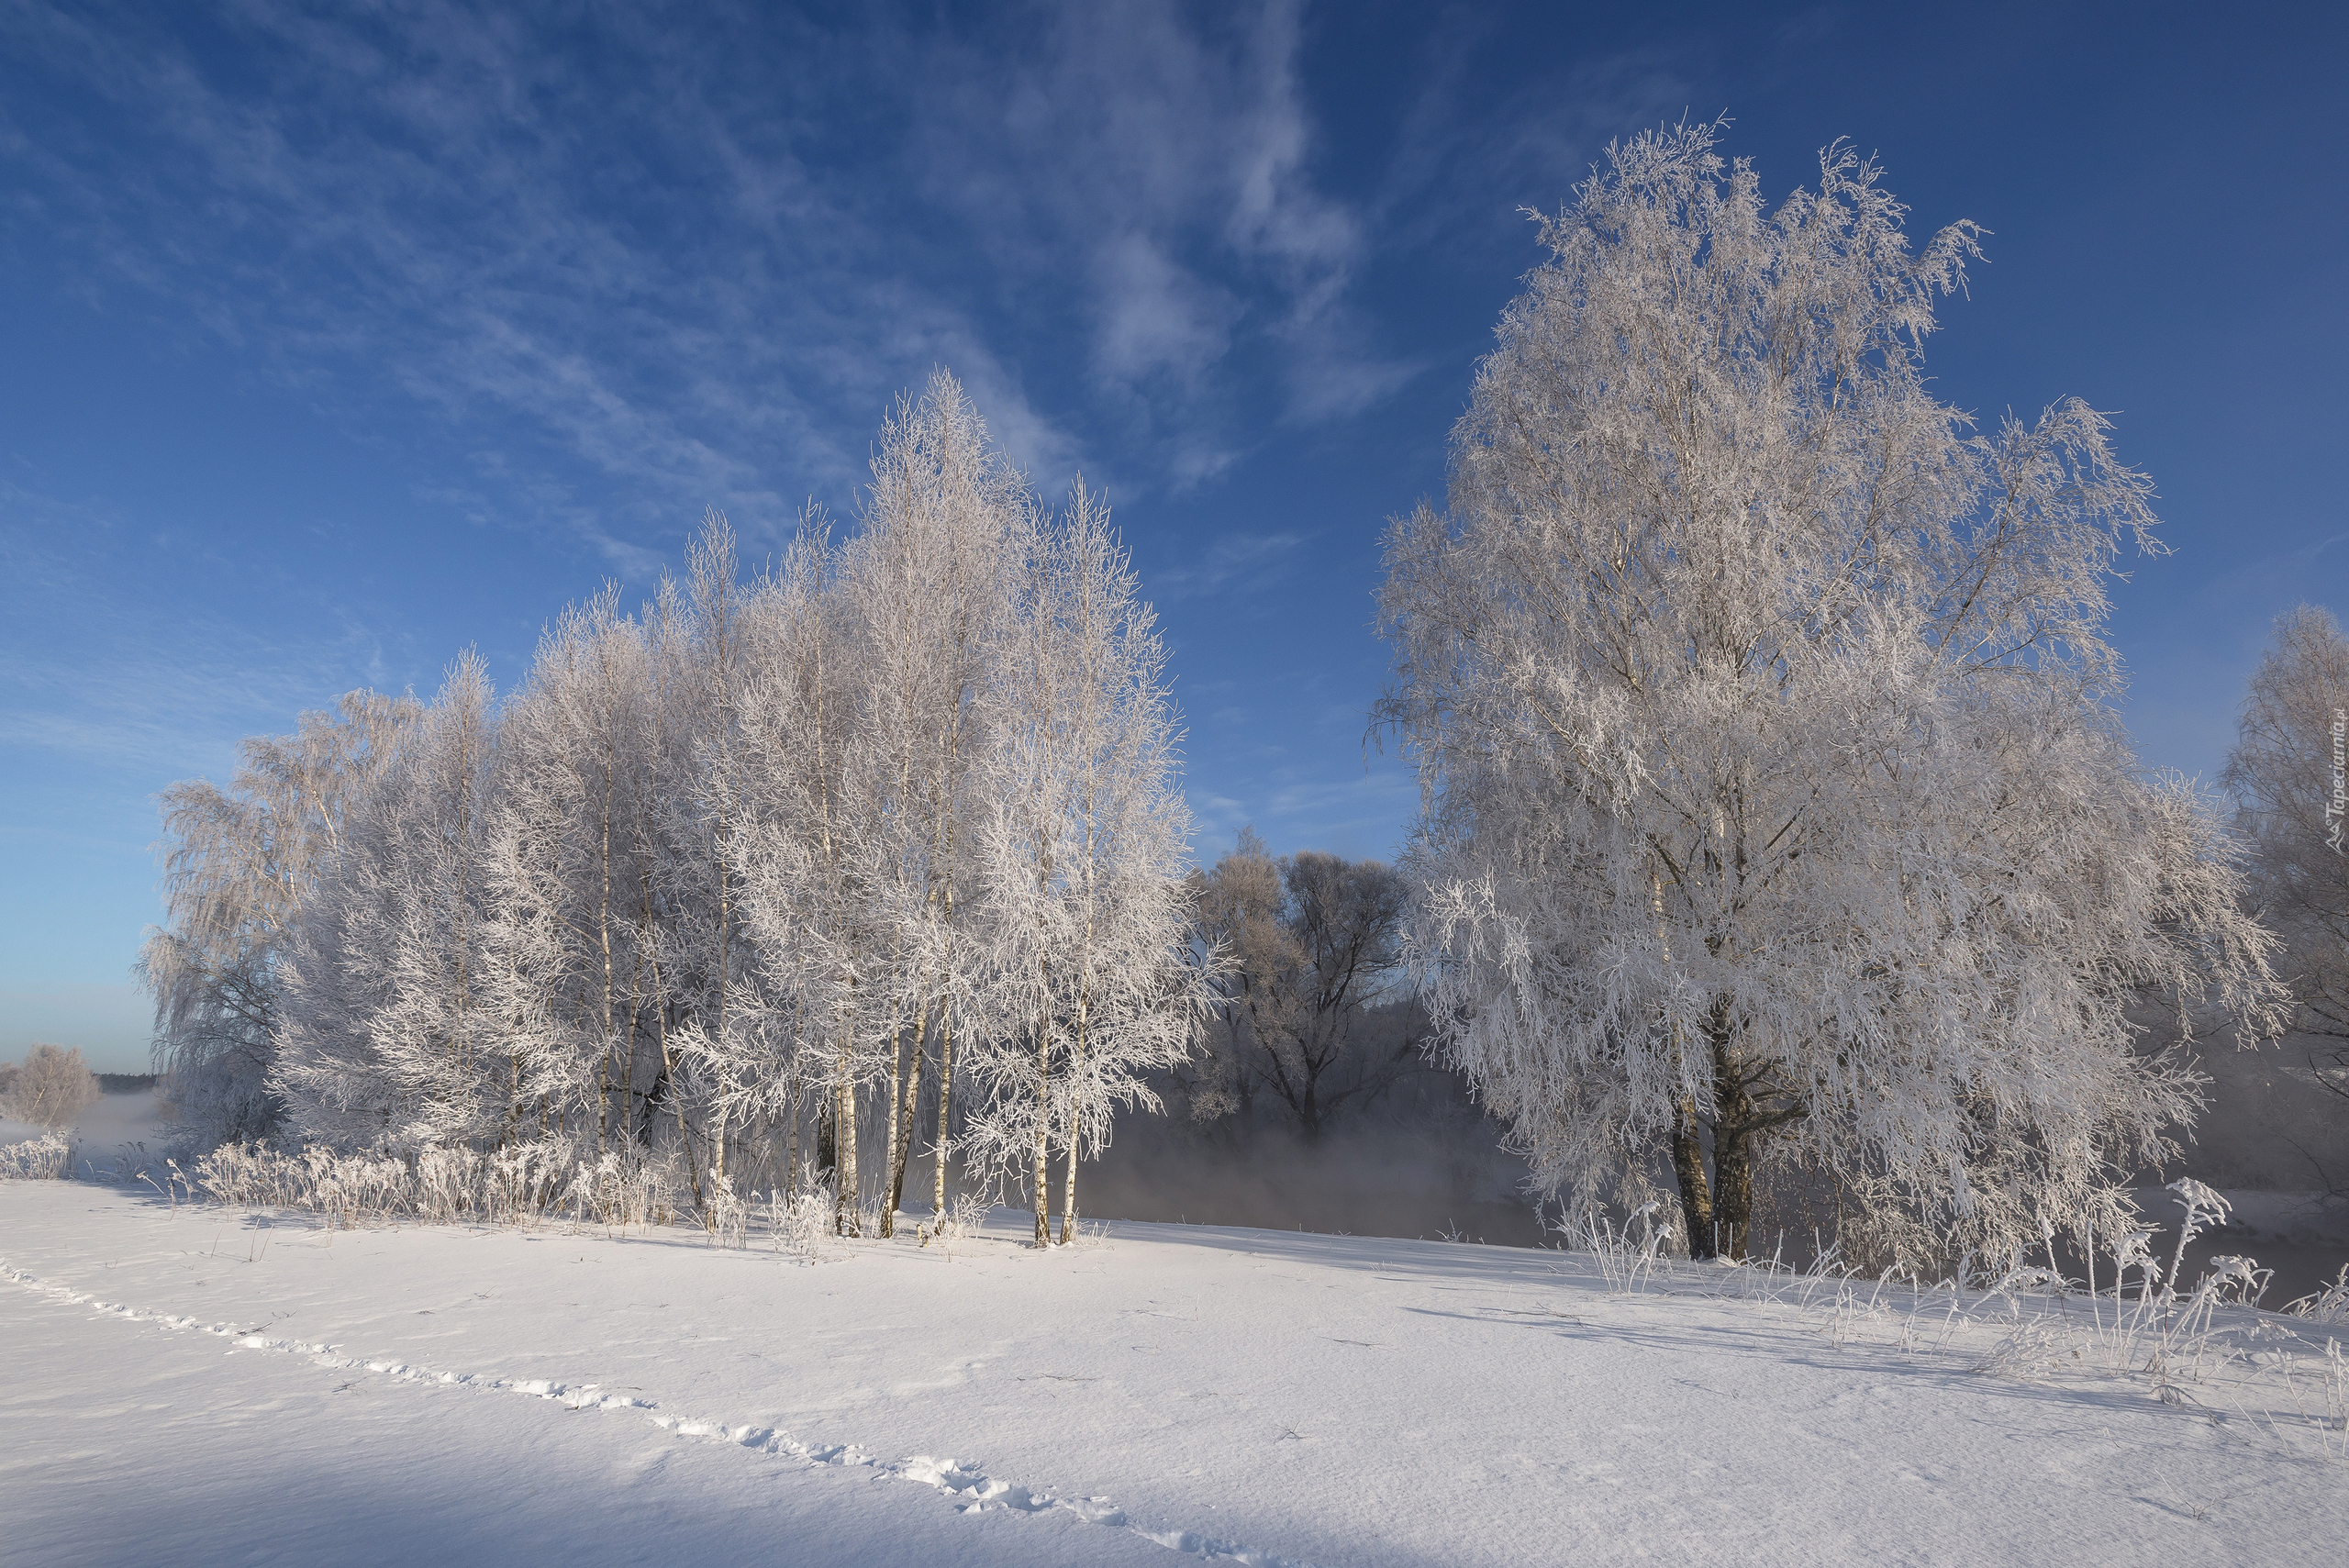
(212,1386)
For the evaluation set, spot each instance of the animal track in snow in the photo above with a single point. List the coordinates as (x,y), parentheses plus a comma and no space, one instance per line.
(969,1488)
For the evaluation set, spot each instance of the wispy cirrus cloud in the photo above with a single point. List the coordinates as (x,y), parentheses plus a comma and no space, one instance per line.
(594,284)
(1354,814)
(688,264)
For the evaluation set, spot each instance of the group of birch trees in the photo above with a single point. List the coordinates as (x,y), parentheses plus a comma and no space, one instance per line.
(870,858)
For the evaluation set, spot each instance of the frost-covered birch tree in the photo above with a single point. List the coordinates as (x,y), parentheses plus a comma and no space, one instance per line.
(706,824)
(390,1033)
(1082,854)
(1774,805)
(802,855)
(1133,1002)
(927,580)
(571,844)
(1023,851)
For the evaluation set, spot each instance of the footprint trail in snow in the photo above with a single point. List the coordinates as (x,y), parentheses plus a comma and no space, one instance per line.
(971,1490)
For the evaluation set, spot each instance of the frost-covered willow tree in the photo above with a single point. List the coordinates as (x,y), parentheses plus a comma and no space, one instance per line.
(238,865)
(1774,806)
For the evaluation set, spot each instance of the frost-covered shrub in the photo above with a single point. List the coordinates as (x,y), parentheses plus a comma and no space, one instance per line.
(803,1222)
(39,1159)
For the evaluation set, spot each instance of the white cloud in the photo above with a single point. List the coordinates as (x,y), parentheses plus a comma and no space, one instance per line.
(1173,159)
(1156,316)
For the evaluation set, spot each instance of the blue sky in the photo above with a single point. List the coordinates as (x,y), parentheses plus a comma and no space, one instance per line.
(336,338)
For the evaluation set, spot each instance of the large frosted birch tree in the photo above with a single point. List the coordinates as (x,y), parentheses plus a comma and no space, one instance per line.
(805,855)
(1774,804)
(571,847)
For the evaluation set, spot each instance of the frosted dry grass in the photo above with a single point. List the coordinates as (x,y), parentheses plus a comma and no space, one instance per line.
(2206,1351)
(1086,1236)
(526,1187)
(524,1184)
(132,1161)
(1625,1262)
(2319,1395)
(2326,1307)
(2223,1362)
(39,1159)
(970,1211)
(727,1216)
(622,1194)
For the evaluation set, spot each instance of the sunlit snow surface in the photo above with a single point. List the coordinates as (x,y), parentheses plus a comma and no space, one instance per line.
(212,1386)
